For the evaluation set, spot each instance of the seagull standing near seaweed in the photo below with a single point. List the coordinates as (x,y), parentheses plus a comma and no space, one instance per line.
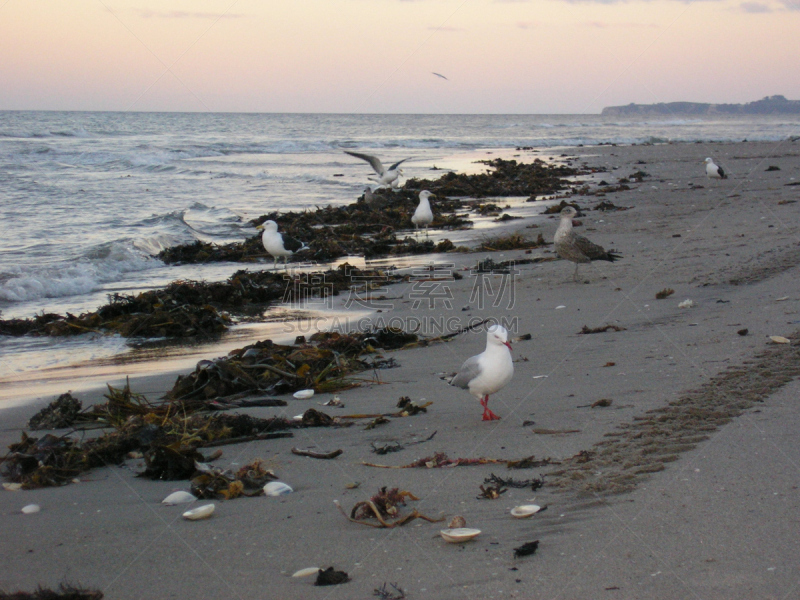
(487,372)
(576,248)
(278,244)
(423,215)
(714,171)
(386,177)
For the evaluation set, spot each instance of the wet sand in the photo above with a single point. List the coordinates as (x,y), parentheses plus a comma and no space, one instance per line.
(698,499)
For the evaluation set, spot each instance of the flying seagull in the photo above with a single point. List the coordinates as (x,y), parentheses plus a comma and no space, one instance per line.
(278,244)
(714,171)
(576,248)
(440,75)
(386,177)
(423,215)
(489,371)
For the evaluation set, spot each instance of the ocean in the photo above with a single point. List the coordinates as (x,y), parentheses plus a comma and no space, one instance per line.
(89,198)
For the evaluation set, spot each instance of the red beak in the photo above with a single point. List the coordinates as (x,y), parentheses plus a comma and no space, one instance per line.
(508,344)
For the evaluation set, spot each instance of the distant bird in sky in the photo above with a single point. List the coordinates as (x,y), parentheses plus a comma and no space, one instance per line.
(278,244)
(714,171)
(423,215)
(576,248)
(489,371)
(386,177)
(440,75)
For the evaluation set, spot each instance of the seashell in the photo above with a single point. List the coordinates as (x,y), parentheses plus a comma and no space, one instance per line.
(459,534)
(31,509)
(525,511)
(201,512)
(178,498)
(686,304)
(457,522)
(303,394)
(306,572)
(12,487)
(297,418)
(779,339)
(560,306)
(277,488)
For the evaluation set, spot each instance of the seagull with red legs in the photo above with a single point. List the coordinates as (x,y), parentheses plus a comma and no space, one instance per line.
(488,372)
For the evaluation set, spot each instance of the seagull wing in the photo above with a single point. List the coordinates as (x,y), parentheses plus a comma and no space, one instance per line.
(721,172)
(440,75)
(293,245)
(397,164)
(377,165)
(592,251)
(470,370)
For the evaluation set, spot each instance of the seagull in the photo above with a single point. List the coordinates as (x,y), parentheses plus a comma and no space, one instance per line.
(423,215)
(278,244)
(386,177)
(576,248)
(714,171)
(440,75)
(489,371)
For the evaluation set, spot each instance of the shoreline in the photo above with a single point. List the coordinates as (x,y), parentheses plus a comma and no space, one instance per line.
(733,489)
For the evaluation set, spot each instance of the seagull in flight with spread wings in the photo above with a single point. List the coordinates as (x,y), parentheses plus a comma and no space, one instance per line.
(386,177)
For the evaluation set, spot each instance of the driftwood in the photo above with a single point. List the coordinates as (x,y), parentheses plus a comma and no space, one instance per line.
(312,454)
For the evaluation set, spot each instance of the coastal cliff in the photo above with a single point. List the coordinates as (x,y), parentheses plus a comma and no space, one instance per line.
(768,105)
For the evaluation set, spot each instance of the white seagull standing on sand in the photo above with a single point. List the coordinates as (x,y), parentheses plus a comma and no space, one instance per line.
(489,371)
(714,171)
(423,215)
(278,244)
(573,247)
(386,177)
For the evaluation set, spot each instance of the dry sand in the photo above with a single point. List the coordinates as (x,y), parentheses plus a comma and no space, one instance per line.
(698,499)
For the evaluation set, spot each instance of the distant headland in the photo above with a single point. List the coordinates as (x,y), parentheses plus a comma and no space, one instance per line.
(769,105)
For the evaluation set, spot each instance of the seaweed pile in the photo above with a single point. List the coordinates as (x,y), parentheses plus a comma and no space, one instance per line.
(195,308)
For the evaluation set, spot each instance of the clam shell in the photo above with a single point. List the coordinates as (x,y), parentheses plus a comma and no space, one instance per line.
(201,512)
(178,498)
(457,522)
(686,304)
(303,394)
(306,572)
(12,487)
(459,534)
(525,511)
(779,339)
(31,509)
(277,488)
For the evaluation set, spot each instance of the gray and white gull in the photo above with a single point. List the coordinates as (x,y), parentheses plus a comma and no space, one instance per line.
(386,177)
(714,171)
(423,216)
(576,248)
(278,244)
(489,371)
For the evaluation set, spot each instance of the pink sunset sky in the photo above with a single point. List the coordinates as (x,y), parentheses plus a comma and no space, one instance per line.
(379,56)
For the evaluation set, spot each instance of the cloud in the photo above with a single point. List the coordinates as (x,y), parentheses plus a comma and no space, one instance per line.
(791,4)
(182,14)
(755,7)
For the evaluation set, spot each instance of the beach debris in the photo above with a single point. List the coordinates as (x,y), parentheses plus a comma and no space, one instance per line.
(307,572)
(201,512)
(60,413)
(12,487)
(530,462)
(772,168)
(534,483)
(353,485)
(335,401)
(526,549)
(304,394)
(526,510)
(665,293)
(376,421)
(602,403)
(64,592)
(686,304)
(543,431)
(585,330)
(560,306)
(330,576)
(509,241)
(383,506)
(30,509)
(459,535)
(610,364)
(439,460)
(315,454)
(396,593)
(779,339)
(456,522)
(178,498)
(491,492)
(277,488)
(743,332)
(213,483)
(386,448)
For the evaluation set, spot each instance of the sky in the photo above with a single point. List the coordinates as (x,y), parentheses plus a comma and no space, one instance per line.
(380,56)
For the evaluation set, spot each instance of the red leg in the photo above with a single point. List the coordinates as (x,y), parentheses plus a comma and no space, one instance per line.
(488,415)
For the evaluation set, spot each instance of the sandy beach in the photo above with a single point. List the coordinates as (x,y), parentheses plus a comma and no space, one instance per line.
(696,500)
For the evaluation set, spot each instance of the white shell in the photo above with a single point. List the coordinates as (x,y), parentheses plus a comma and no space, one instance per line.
(560,306)
(297,418)
(31,509)
(277,488)
(458,535)
(307,572)
(201,512)
(779,339)
(178,498)
(12,487)
(686,304)
(525,511)
(303,394)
